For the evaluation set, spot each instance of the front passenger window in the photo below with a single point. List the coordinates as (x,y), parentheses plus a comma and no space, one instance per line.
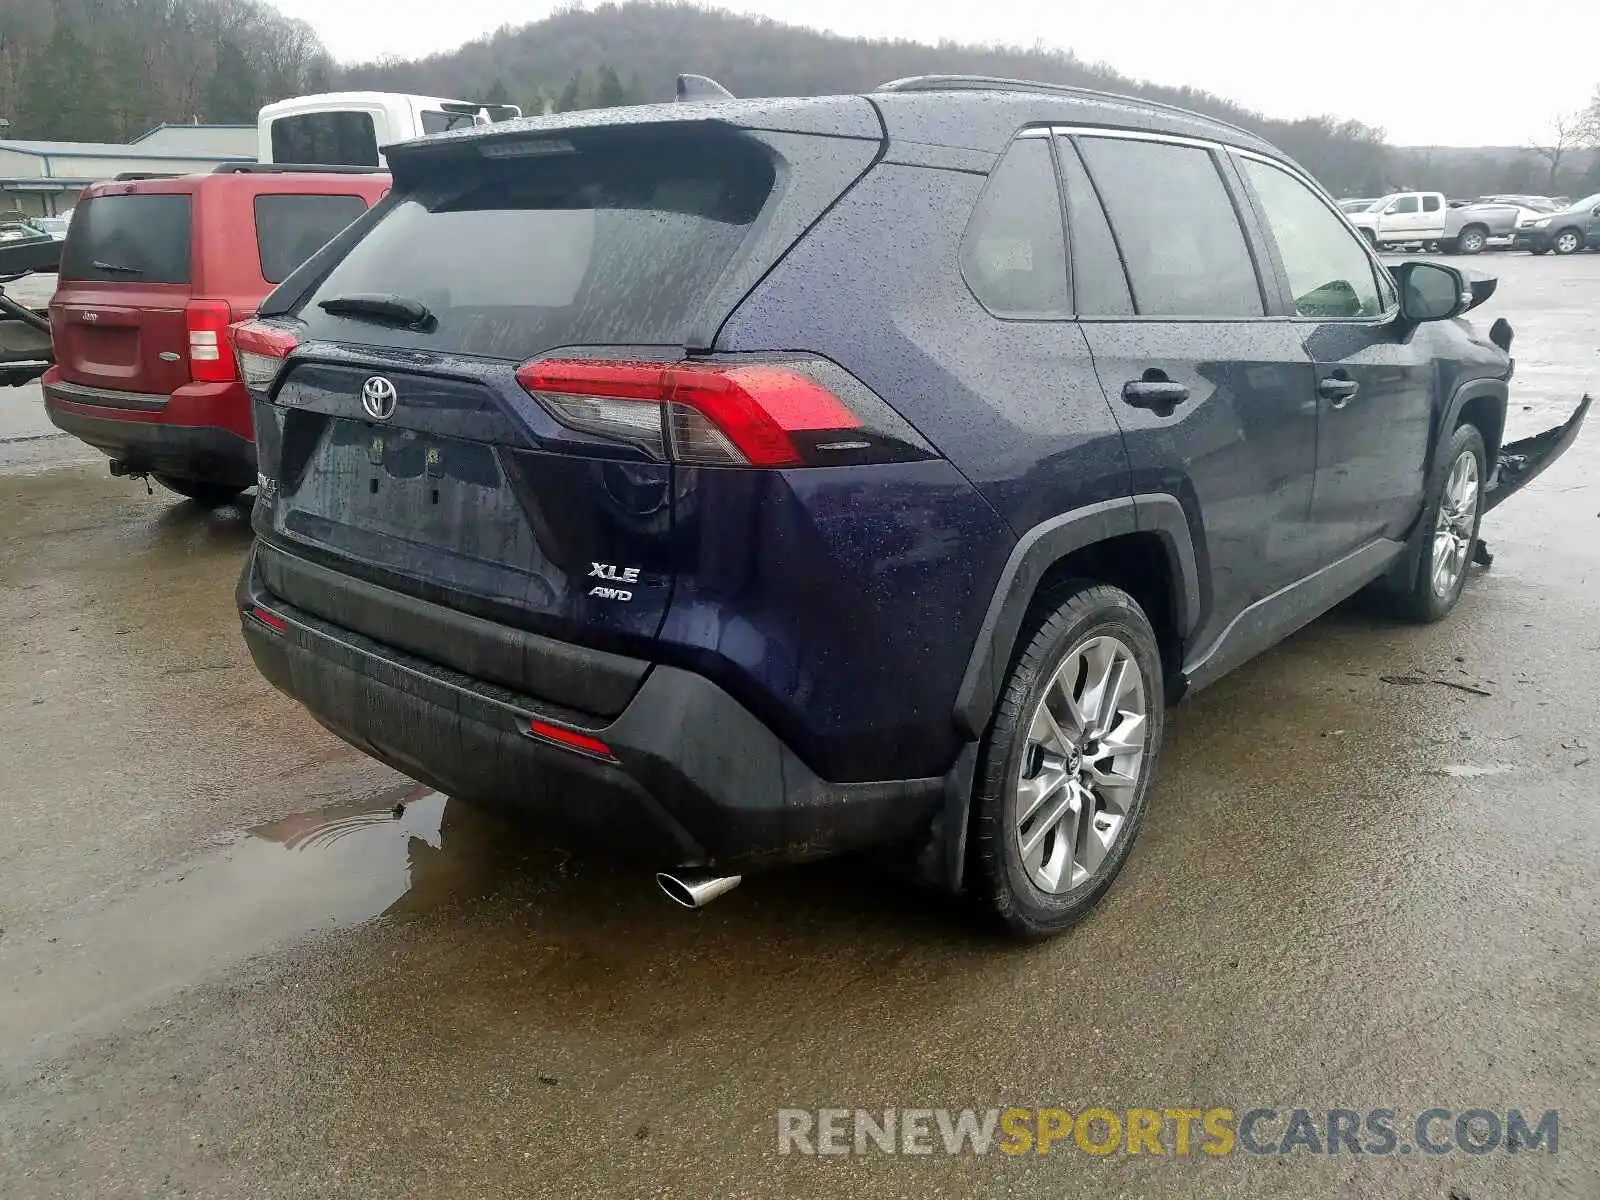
(1330,272)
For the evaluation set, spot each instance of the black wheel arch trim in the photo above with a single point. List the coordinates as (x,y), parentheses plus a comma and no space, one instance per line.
(1039,549)
(1472,389)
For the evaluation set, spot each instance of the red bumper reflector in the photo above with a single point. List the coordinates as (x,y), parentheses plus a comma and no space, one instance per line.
(270,620)
(570,738)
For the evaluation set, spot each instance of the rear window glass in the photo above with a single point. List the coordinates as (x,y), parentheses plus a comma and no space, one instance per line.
(129,239)
(290,229)
(326,139)
(434,121)
(517,256)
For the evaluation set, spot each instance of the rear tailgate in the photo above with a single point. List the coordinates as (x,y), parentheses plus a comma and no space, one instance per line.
(410,456)
(118,315)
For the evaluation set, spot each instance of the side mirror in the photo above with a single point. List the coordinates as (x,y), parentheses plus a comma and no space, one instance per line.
(1431,291)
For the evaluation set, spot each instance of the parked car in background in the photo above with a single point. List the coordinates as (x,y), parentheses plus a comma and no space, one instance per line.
(56,227)
(1566,231)
(737,483)
(1471,228)
(1403,218)
(152,274)
(348,128)
(20,229)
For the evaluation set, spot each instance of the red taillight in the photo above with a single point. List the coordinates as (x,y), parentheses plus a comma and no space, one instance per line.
(777,414)
(570,738)
(210,356)
(270,619)
(261,349)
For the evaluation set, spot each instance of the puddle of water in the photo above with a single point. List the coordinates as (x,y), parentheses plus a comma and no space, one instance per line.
(1472,771)
(308,873)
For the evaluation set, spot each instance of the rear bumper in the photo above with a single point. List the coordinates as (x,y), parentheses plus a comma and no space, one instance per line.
(192,436)
(689,776)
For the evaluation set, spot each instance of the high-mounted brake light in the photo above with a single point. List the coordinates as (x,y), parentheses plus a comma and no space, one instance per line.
(210,356)
(762,414)
(261,349)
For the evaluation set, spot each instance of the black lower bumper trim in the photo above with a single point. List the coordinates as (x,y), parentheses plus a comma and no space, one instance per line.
(697,777)
(207,453)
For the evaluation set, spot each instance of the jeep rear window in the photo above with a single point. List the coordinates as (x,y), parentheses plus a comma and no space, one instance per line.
(326,139)
(515,256)
(129,239)
(290,229)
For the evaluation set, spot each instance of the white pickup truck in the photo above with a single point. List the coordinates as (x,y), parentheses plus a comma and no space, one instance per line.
(1426,219)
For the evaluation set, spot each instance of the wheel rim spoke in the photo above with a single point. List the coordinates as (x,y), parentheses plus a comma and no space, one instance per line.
(1082,765)
(1453,529)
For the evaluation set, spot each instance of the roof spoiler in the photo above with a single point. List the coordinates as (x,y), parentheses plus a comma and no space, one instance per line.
(701,87)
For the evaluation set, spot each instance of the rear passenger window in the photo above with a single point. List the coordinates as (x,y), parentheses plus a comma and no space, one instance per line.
(1430,204)
(290,229)
(1013,254)
(1099,286)
(129,239)
(1177,229)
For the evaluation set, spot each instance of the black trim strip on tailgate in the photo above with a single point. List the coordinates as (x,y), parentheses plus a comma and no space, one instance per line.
(577,677)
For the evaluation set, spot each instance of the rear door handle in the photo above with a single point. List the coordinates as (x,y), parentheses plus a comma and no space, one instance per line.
(1154,393)
(1338,390)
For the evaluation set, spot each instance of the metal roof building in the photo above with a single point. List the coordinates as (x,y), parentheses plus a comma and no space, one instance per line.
(44,178)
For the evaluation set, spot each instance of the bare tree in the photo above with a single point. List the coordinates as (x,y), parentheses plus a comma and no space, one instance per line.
(1589,122)
(1567,132)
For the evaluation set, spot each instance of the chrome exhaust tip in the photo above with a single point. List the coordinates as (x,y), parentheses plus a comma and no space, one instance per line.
(695,889)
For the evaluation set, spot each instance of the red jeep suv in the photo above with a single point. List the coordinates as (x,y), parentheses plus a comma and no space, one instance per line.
(152,274)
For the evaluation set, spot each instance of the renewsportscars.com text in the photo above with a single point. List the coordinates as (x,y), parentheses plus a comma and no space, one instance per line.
(1214,1132)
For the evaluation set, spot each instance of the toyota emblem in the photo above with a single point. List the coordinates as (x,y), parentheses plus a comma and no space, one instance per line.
(378,398)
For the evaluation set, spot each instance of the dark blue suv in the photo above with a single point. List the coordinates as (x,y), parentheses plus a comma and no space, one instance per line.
(742,482)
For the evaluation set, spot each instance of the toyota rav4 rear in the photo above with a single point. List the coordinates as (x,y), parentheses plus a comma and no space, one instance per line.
(526,535)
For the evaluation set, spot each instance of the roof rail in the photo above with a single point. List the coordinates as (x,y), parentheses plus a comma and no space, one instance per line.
(255,168)
(130,176)
(994,83)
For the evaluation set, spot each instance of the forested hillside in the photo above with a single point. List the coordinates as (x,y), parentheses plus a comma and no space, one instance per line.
(647,45)
(107,70)
(110,69)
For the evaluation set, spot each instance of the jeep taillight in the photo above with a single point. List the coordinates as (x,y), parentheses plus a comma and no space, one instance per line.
(261,349)
(210,358)
(791,412)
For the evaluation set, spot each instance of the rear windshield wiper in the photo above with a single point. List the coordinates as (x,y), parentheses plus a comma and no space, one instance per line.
(116,268)
(394,310)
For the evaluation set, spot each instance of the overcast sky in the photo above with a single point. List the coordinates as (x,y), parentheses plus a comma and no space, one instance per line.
(1465,72)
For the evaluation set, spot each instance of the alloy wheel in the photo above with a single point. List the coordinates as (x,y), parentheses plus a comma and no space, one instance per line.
(1456,523)
(1081,764)
(1567,242)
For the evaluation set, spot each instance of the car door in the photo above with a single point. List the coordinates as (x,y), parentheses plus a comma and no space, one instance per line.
(1399,221)
(1214,396)
(1430,221)
(1374,379)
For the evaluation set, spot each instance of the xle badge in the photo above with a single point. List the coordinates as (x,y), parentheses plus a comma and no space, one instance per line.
(616,575)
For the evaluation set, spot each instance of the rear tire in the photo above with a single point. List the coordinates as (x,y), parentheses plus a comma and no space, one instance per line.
(1568,241)
(203,493)
(1372,238)
(1473,240)
(1061,787)
(1449,530)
